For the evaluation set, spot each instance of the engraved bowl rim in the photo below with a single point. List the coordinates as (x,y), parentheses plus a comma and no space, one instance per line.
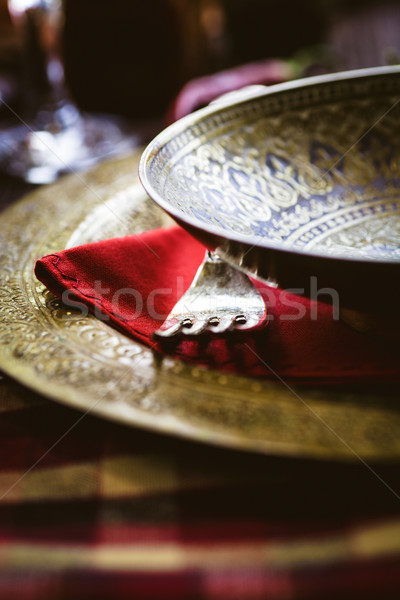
(179,127)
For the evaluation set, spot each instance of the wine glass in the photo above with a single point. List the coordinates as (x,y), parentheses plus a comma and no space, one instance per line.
(53,136)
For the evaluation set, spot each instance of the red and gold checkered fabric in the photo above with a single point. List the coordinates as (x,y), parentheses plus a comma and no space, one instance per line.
(92,509)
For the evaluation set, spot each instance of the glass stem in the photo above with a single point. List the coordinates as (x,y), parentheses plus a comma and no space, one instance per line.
(41,25)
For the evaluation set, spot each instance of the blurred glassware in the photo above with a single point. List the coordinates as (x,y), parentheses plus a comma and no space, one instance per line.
(53,136)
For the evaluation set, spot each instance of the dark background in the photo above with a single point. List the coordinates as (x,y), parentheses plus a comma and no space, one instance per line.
(132,57)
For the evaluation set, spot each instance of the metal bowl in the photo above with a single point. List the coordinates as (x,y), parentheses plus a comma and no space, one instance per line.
(298,184)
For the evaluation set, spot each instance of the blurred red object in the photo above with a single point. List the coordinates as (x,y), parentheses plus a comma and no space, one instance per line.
(201,91)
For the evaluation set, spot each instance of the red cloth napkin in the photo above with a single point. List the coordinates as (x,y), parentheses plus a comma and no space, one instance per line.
(133,282)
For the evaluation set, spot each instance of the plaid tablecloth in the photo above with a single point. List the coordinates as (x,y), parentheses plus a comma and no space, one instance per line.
(92,509)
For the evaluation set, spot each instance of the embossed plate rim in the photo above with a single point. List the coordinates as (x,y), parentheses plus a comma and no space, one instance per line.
(42,346)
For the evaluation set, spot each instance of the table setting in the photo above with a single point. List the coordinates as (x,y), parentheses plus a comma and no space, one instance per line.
(199,354)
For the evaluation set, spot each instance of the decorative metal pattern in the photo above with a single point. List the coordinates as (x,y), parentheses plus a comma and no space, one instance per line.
(219,299)
(84,363)
(308,177)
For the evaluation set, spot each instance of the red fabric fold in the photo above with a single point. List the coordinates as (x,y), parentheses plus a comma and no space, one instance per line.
(133,282)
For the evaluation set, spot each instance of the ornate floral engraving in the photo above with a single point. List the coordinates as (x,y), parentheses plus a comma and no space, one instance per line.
(302,161)
(82,362)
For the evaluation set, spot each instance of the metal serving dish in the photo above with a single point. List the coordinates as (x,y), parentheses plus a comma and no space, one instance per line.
(298,184)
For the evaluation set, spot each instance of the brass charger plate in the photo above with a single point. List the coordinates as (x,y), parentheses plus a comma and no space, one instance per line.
(84,363)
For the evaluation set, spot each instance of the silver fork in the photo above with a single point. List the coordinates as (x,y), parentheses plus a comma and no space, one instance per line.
(219,299)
